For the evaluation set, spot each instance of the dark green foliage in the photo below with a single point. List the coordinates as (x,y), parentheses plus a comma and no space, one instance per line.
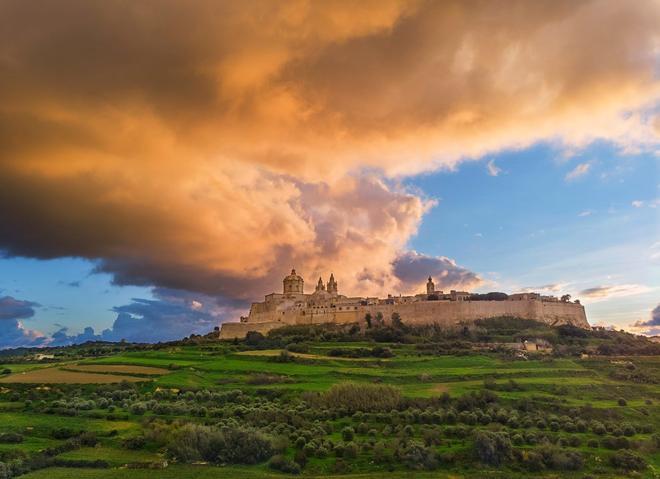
(493,448)
(493,296)
(135,442)
(282,464)
(347,434)
(628,460)
(194,442)
(11,438)
(361,397)
(417,456)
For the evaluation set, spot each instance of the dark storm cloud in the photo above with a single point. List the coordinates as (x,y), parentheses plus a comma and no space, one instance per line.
(12,331)
(413,268)
(209,146)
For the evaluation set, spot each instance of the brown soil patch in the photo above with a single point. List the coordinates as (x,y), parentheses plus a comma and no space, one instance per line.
(118,368)
(440,388)
(55,375)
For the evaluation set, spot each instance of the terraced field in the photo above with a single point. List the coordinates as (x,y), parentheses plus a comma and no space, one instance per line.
(221,384)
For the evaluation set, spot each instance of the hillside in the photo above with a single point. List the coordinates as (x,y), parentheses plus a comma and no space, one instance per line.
(328,401)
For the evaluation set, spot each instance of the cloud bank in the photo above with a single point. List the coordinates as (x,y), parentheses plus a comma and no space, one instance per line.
(209,146)
(652,326)
(599,293)
(13,332)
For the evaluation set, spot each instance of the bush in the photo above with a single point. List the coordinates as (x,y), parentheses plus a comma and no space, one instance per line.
(226,446)
(282,464)
(347,434)
(555,458)
(492,448)
(134,443)
(622,402)
(350,451)
(11,438)
(300,458)
(628,461)
(361,397)
(417,456)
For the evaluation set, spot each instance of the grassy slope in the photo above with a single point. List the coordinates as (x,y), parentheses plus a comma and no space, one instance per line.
(572,382)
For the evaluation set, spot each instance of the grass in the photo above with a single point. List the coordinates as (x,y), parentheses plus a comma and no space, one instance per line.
(565,382)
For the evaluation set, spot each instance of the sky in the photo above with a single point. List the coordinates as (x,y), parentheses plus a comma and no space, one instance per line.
(163,164)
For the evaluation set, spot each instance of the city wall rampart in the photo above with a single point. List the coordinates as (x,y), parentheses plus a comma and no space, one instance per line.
(443,313)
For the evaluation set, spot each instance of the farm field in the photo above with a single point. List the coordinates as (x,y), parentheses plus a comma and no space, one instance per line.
(410,414)
(56,375)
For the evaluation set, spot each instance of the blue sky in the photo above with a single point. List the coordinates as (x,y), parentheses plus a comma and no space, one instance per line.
(530,225)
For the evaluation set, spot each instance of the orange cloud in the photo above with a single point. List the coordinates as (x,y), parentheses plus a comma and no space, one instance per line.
(209,146)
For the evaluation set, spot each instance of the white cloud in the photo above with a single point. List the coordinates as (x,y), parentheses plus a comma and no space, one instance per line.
(603,292)
(637,203)
(493,169)
(580,170)
(585,213)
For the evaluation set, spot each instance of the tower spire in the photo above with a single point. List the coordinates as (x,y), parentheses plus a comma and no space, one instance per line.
(332,284)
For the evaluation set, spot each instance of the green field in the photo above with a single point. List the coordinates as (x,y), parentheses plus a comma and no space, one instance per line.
(554,404)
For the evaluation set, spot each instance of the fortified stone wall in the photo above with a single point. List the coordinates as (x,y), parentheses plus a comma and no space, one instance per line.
(444,313)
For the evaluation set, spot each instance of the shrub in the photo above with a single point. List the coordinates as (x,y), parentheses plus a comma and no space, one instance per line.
(347,434)
(63,433)
(282,464)
(340,466)
(228,445)
(361,397)
(555,458)
(11,438)
(532,461)
(300,458)
(622,402)
(492,448)
(350,451)
(628,461)
(417,456)
(136,442)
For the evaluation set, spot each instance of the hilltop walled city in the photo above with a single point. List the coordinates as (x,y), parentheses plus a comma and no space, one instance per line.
(325,305)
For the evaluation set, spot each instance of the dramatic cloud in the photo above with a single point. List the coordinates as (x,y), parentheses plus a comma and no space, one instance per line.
(209,146)
(580,170)
(652,326)
(11,308)
(413,269)
(173,315)
(12,331)
(598,293)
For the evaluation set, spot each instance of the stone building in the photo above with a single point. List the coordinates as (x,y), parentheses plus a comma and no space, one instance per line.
(325,305)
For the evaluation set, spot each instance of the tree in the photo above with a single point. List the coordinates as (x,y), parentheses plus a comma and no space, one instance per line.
(396,321)
(493,448)
(367,318)
(379,318)
(566,298)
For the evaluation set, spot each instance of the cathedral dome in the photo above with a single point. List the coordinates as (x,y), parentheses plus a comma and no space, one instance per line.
(293,283)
